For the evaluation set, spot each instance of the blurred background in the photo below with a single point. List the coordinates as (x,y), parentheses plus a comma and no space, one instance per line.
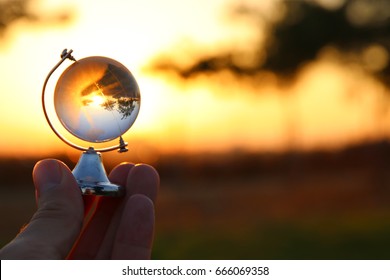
(268,121)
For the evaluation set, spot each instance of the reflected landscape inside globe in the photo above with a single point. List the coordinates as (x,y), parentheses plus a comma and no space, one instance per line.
(97,99)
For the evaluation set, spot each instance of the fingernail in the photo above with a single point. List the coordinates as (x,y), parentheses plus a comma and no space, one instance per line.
(47,174)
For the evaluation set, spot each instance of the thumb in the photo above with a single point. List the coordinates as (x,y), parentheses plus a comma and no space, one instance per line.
(57,223)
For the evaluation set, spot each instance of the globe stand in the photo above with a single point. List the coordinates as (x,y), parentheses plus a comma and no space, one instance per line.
(92,178)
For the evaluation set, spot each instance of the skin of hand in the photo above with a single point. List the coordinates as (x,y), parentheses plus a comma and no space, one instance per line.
(68,225)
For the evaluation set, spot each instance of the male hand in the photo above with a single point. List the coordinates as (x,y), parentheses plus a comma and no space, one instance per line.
(69,225)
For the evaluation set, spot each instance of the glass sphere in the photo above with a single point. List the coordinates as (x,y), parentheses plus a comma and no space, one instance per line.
(97,99)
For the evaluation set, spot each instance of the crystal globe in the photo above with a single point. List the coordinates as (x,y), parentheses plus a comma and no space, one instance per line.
(97,99)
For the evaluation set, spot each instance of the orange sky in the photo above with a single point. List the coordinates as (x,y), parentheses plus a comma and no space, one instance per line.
(330,105)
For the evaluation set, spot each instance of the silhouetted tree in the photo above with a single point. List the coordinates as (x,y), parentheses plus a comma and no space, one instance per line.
(126,106)
(109,104)
(305,29)
(13,10)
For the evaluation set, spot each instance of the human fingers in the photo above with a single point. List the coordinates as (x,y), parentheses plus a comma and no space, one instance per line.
(134,235)
(117,176)
(141,179)
(94,231)
(119,173)
(58,220)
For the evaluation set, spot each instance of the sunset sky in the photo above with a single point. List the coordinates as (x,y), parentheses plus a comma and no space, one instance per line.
(330,104)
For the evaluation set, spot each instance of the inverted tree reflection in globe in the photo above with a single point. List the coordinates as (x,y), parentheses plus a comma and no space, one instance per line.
(97,99)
